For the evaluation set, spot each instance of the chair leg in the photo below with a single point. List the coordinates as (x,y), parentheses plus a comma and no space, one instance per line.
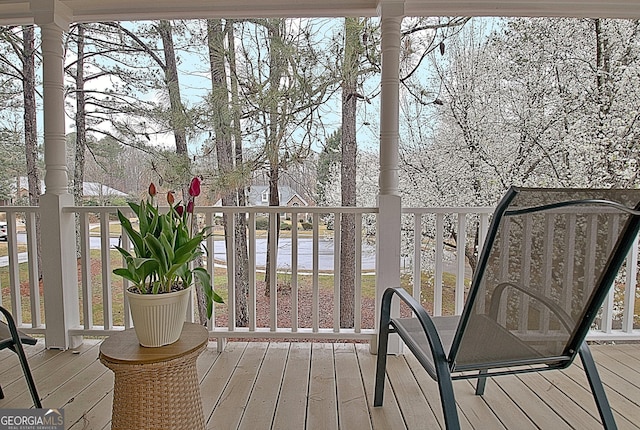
(17,348)
(447,396)
(381,364)
(608,422)
(482,382)
(27,374)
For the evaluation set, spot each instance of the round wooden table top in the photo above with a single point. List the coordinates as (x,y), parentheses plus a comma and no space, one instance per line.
(123,347)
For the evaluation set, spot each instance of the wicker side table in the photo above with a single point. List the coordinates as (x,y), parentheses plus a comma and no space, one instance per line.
(155,388)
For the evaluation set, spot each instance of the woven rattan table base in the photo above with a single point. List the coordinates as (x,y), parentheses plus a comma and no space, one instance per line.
(163,395)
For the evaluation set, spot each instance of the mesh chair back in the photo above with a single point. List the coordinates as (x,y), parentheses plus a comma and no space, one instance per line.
(544,272)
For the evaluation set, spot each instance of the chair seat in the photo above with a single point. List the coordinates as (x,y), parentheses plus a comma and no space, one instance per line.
(6,340)
(508,348)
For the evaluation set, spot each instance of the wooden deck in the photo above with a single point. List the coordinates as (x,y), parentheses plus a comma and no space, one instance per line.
(329,386)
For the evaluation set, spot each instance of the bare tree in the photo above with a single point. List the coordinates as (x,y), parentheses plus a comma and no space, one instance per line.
(350,72)
(282,91)
(177,118)
(225,127)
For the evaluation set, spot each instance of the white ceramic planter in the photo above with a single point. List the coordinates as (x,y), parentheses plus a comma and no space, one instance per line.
(158,318)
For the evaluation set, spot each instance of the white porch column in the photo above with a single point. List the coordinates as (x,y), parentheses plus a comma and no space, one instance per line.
(389,202)
(59,267)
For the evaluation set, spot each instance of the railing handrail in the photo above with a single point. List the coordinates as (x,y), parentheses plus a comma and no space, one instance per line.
(448,210)
(234,209)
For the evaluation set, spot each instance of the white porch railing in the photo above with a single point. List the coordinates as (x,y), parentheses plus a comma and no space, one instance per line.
(308,265)
(320,262)
(22,292)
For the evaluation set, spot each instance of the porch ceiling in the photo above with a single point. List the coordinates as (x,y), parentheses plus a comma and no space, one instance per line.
(19,11)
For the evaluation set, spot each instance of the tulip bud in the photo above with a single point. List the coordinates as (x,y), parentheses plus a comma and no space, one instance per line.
(152,190)
(180,210)
(170,198)
(194,187)
(190,207)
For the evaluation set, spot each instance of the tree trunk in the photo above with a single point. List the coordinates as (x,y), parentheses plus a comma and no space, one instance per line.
(178,120)
(273,142)
(221,119)
(242,253)
(31,128)
(348,172)
(81,132)
(604,100)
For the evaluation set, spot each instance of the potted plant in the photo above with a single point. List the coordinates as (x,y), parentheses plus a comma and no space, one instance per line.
(160,266)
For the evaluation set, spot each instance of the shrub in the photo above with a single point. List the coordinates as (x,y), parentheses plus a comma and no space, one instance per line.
(262,223)
(306,225)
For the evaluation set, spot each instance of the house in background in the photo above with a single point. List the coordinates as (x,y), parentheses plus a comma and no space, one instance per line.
(93,193)
(258,195)
(103,194)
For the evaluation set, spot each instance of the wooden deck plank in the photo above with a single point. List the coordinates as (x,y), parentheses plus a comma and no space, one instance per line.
(9,360)
(316,386)
(621,405)
(322,411)
(414,407)
(627,372)
(582,395)
(66,393)
(12,379)
(625,354)
(264,396)
(628,348)
(81,408)
(352,403)
(527,400)
(629,367)
(431,392)
(215,378)
(98,416)
(206,360)
(474,408)
(291,409)
(573,413)
(510,415)
(387,416)
(234,399)
(46,367)
(54,373)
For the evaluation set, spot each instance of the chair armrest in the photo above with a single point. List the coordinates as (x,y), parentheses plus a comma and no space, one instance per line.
(440,360)
(560,313)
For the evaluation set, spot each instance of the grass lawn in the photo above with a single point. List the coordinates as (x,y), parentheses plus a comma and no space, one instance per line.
(4,248)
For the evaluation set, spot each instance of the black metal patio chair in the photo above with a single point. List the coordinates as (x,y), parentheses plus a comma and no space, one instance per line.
(12,338)
(548,263)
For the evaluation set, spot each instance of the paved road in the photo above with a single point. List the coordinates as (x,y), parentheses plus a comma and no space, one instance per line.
(22,258)
(94,243)
(305,253)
